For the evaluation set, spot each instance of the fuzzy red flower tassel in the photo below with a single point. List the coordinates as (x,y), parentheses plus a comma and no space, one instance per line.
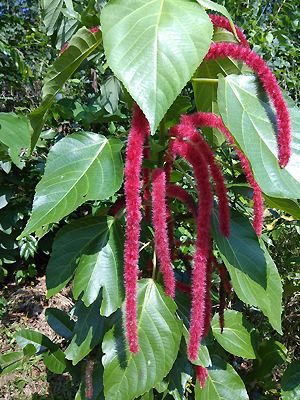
(132,189)
(159,217)
(268,80)
(222,22)
(195,158)
(201,375)
(211,120)
(146,181)
(216,172)
(208,302)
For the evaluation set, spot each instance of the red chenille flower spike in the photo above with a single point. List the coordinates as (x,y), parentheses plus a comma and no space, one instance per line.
(268,80)
(195,158)
(159,218)
(211,120)
(201,375)
(132,187)
(222,22)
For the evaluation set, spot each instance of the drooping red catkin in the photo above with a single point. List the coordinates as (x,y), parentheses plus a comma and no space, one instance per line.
(89,379)
(195,158)
(208,302)
(216,172)
(222,22)
(268,80)
(177,192)
(132,187)
(146,181)
(211,120)
(201,374)
(224,278)
(159,218)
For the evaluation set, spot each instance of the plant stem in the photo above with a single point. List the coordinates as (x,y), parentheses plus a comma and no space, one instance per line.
(154,266)
(206,80)
(161,141)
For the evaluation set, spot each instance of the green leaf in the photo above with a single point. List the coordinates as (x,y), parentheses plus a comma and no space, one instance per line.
(37,339)
(55,361)
(15,133)
(140,38)
(181,372)
(10,361)
(237,337)
(254,275)
(269,354)
(60,322)
(88,331)
(80,47)
(210,5)
(81,167)
(148,396)
(52,10)
(128,375)
(290,382)
(93,244)
(101,266)
(223,383)
(247,118)
(288,205)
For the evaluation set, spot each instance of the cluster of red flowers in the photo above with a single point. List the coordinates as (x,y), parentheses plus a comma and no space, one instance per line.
(186,142)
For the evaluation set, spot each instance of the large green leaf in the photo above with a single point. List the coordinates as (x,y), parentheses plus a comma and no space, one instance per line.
(223,383)
(101,266)
(15,133)
(247,118)
(128,375)
(93,244)
(80,47)
(55,361)
(154,47)
(88,332)
(253,273)
(237,336)
(290,382)
(83,166)
(288,205)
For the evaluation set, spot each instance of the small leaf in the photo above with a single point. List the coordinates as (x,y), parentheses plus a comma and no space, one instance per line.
(144,58)
(88,331)
(40,341)
(60,322)
(290,382)
(223,383)
(254,275)
(248,119)
(80,47)
(237,337)
(269,354)
(128,375)
(15,133)
(55,361)
(52,10)
(81,167)
(10,361)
